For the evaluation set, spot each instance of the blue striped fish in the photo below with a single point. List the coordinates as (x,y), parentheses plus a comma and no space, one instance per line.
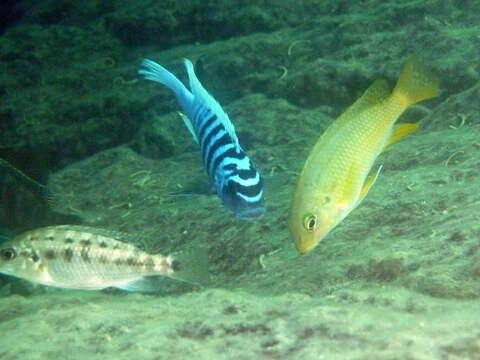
(231,171)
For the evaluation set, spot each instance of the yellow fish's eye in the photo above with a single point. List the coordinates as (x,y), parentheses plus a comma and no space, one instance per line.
(8,254)
(310,222)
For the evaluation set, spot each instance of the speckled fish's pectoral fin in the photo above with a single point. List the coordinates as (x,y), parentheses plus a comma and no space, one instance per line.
(399,132)
(366,188)
(144,284)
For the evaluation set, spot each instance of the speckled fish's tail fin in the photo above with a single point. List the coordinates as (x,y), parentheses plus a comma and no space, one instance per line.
(191,266)
(416,83)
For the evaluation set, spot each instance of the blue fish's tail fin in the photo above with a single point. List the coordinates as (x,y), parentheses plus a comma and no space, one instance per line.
(155,72)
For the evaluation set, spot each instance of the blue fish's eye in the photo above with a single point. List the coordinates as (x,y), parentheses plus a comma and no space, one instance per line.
(310,222)
(8,254)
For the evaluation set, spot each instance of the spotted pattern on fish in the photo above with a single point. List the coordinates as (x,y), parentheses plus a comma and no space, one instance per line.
(68,254)
(49,254)
(34,256)
(84,254)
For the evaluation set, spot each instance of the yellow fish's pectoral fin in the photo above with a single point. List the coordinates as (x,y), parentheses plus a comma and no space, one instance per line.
(371,180)
(400,131)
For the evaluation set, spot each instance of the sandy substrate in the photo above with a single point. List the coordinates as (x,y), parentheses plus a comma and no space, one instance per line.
(220,324)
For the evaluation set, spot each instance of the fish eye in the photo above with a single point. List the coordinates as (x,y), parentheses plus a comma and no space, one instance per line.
(8,254)
(310,222)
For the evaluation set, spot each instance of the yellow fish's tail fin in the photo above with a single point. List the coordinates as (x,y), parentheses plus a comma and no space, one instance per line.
(400,131)
(416,83)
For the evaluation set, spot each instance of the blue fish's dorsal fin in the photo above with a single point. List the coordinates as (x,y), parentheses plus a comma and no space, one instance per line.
(200,93)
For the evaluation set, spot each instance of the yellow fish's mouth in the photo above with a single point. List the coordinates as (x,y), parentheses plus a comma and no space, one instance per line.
(304,247)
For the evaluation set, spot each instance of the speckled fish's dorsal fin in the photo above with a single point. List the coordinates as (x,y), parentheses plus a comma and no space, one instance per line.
(200,93)
(42,192)
(117,235)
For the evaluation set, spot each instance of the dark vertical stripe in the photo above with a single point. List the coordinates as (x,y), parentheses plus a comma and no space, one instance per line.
(230,153)
(205,124)
(207,144)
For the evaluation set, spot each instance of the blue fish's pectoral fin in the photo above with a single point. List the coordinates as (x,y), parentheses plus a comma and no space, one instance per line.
(401,131)
(188,124)
(208,100)
(366,188)
(143,284)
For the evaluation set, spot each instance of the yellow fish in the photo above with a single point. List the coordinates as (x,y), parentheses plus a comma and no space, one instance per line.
(334,178)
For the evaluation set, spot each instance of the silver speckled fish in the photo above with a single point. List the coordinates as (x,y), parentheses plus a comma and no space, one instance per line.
(79,257)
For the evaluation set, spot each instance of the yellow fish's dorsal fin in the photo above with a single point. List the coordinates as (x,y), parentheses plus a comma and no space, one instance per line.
(416,83)
(400,131)
(376,93)
(366,187)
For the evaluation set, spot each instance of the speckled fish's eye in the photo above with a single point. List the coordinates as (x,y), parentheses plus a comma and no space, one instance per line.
(310,222)
(8,254)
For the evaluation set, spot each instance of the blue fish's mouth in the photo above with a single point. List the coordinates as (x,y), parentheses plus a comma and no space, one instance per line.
(252,213)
